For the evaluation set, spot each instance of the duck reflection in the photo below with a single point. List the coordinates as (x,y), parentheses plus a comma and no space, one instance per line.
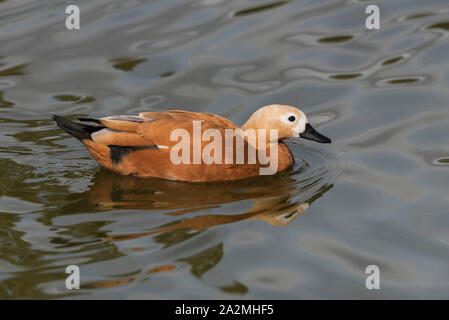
(276,200)
(127,280)
(273,199)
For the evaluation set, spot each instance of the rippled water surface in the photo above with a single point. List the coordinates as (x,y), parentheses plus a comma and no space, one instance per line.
(379,194)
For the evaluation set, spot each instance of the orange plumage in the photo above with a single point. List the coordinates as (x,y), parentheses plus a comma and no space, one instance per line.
(141,145)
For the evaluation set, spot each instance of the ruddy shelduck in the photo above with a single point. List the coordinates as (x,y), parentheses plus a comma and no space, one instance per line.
(143,145)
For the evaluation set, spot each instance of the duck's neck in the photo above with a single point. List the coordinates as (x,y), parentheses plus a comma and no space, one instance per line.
(250,124)
(256,137)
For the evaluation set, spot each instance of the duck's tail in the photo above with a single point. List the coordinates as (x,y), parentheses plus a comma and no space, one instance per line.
(79,130)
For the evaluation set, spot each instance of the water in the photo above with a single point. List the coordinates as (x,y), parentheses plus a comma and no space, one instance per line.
(378,195)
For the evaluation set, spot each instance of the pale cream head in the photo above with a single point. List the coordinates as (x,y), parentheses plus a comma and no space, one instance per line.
(289,121)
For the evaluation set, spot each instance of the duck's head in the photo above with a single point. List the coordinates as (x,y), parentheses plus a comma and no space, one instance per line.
(289,121)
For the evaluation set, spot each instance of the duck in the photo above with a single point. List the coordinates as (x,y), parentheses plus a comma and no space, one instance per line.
(165,144)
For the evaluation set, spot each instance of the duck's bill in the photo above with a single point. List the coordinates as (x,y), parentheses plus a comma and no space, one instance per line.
(311,134)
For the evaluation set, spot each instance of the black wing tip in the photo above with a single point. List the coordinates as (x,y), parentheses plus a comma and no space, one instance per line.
(78,130)
(90,120)
(60,121)
(118,152)
(56,117)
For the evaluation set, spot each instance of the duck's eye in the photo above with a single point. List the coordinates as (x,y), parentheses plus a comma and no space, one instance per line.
(292,118)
